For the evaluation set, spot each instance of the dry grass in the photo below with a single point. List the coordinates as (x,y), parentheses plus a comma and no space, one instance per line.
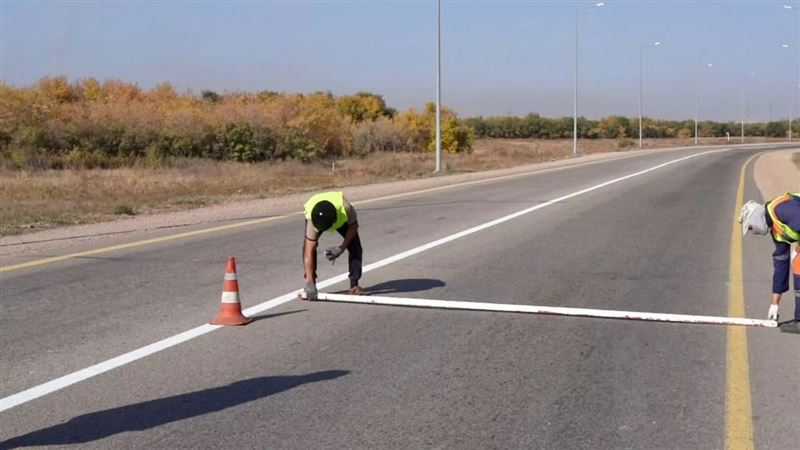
(36,200)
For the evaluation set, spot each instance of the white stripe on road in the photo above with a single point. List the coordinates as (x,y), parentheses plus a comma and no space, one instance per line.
(549,310)
(97,369)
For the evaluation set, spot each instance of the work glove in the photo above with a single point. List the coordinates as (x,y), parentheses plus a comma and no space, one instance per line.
(311,291)
(333,253)
(773,312)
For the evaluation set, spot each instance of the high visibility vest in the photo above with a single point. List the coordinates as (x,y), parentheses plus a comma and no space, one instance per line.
(337,199)
(780,231)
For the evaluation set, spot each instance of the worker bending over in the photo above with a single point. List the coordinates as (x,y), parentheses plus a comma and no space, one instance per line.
(780,217)
(331,211)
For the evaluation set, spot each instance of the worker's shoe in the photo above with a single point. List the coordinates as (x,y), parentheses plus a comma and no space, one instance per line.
(356,290)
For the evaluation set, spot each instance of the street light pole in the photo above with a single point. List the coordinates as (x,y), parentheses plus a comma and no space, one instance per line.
(696,95)
(575,92)
(792,109)
(741,98)
(438,85)
(641,84)
(796,83)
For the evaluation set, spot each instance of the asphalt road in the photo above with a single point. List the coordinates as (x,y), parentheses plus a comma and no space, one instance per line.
(324,375)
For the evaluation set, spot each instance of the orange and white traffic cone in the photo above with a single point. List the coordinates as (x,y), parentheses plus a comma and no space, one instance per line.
(230,310)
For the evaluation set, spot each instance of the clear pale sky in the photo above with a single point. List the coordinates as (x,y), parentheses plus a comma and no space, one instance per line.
(498,57)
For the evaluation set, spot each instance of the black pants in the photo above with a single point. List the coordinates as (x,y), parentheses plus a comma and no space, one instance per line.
(354,256)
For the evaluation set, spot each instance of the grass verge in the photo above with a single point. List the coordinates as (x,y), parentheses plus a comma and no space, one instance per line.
(46,199)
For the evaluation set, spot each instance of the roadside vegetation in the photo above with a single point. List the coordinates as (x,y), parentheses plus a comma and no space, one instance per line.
(89,151)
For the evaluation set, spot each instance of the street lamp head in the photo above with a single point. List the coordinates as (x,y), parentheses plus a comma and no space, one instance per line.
(785,45)
(656,43)
(788,7)
(599,4)
(710,65)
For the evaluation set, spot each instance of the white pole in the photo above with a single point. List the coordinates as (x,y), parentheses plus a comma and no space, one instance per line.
(641,85)
(641,92)
(575,94)
(575,91)
(438,85)
(741,98)
(549,310)
(696,95)
(695,111)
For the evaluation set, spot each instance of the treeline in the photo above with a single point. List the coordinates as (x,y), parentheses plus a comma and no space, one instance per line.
(534,126)
(88,123)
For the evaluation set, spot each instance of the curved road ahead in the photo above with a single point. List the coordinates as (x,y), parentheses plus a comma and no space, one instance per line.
(324,375)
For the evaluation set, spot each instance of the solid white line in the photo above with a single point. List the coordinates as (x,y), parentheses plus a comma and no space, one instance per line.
(97,369)
(549,310)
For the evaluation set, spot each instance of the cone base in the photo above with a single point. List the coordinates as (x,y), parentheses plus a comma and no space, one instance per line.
(231,321)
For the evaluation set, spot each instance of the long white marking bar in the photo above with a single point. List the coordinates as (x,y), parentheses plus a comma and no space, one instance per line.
(551,310)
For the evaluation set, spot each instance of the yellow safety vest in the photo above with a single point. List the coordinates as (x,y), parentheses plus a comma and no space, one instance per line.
(780,231)
(337,199)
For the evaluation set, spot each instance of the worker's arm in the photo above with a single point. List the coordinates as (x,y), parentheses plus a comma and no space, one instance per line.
(352,232)
(309,251)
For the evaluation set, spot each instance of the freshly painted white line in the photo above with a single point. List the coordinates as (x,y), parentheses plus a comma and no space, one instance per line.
(89,372)
(549,310)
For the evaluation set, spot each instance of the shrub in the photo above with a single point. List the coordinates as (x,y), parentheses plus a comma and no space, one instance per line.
(244,143)
(124,209)
(380,136)
(624,143)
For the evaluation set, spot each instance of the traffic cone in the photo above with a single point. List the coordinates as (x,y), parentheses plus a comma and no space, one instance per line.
(230,310)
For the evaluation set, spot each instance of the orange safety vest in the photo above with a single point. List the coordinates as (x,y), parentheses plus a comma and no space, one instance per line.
(780,231)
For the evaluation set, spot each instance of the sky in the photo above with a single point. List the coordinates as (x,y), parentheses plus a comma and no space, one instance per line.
(498,57)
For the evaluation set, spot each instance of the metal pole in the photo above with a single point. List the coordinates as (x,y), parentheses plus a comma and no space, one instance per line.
(575,99)
(641,91)
(695,112)
(742,105)
(797,78)
(438,85)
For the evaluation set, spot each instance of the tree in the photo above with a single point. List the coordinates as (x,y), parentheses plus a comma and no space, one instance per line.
(209,96)
(363,106)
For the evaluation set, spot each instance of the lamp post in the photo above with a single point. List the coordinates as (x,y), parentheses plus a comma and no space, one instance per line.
(575,96)
(641,84)
(696,95)
(794,9)
(438,86)
(742,106)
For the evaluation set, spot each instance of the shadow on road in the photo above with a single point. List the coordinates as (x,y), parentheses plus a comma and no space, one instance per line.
(404,285)
(153,413)
(270,316)
(790,326)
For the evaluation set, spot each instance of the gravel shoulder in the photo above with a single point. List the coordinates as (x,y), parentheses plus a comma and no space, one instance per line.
(776,173)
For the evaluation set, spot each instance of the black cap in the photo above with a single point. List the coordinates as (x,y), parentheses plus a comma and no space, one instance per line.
(323,215)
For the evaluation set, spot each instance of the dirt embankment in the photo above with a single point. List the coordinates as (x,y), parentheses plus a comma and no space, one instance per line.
(777,172)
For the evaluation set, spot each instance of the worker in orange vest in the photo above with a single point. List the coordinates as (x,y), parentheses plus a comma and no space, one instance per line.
(780,217)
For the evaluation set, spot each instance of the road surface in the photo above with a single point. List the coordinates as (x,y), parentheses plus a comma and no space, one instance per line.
(323,375)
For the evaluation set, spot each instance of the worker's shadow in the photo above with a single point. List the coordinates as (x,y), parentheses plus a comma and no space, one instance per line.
(403,285)
(790,326)
(153,413)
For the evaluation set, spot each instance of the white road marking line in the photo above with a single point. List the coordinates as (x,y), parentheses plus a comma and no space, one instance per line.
(548,310)
(97,369)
